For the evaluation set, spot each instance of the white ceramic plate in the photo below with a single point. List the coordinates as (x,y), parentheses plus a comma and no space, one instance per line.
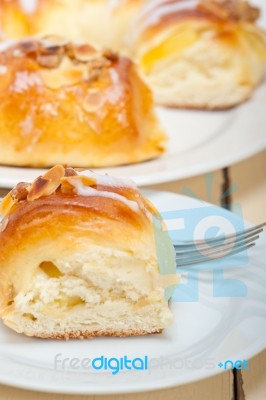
(200,141)
(205,332)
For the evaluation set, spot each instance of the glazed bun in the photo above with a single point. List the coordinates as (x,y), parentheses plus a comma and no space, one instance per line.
(199,54)
(78,258)
(70,104)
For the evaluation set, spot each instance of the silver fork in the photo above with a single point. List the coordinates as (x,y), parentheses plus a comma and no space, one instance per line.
(202,251)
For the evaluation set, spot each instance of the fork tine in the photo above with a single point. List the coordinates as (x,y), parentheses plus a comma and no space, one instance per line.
(201,260)
(256,229)
(212,251)
(216,245)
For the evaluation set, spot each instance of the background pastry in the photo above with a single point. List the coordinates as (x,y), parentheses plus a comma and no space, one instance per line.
(66,103)
(82,20)
(120,14)
(199,53)
(78,258)
(99,22)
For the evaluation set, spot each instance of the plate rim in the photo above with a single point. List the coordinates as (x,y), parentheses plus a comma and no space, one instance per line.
(164,176)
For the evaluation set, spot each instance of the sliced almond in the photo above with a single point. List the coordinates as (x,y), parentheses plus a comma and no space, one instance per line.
(20,192)
(55,173)
(54,79)
(6,205)
(96,67)
(228,9)
(49,60)
(28,47)
(93,101)
(111,56)
(47,184)
(38,189)
(70,172)
(53,42)
(84,53)
(3,224)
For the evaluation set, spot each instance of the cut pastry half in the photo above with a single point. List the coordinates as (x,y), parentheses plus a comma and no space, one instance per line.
(79,258)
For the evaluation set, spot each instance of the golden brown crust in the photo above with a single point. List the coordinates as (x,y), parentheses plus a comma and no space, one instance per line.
(58,186)
(235,10)
(219,13)
(67,103)
(24,213)
(92,334)
(214,10)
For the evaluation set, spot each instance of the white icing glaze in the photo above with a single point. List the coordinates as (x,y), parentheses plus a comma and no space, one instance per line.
(29,6)
(155,10)
(107,180)
(87,191)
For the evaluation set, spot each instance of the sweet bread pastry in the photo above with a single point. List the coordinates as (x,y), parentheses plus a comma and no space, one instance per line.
(78,258)
(82,20)
(200,53)
(120,16)
(100,22)
(70,104)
